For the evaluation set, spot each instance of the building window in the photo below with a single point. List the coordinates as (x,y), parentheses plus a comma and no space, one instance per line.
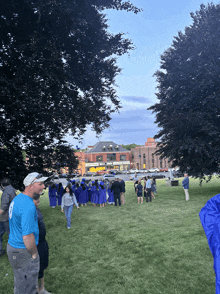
(152,160)
(161,163)
(111,157)
(122,157)
(99,158)
(144,161)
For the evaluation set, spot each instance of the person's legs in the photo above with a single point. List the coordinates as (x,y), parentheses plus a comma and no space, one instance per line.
(119,201)
(141,199)
(187,194)
(2,231)
(41,285)
(122,198)
(65,211)
(115,199)
(149,194)
(138,200)
(25,270)
(69,212)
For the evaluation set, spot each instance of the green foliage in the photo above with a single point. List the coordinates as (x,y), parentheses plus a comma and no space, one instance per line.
(187,112)
(129,146)
(58,67)
(159,247)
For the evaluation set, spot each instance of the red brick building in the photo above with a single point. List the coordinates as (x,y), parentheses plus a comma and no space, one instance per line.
(144,157)
(105,156)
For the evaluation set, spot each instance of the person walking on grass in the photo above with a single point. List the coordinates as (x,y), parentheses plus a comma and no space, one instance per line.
(42,247)
(139,191)
(185,184)
(24,235)
(68,200)
(148,189)
(8,195)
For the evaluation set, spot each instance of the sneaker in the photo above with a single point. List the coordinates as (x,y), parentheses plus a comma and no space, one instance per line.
(2,252)
(68,227)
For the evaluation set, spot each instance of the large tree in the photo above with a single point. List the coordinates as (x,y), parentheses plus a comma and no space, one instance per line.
(188,110)
(58,66)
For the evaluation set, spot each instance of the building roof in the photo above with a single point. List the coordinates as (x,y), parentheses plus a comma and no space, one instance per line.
(106,146)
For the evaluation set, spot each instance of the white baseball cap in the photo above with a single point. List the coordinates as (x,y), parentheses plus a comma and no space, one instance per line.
(34,178)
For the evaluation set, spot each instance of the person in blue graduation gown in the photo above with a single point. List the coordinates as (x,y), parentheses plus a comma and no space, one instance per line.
(83,194)
(111,199)
(60,189)
(93,194)
(76,191)
(53,195)
(210,219)
(102,195)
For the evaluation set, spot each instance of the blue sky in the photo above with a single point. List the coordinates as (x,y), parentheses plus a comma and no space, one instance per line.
(152,32)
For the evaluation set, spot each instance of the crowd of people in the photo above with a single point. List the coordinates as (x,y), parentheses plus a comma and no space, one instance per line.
(147,190)
(80,193)
(20,217)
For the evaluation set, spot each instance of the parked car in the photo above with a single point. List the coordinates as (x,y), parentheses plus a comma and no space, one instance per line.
(131,171)
(73,175)
(157,176)
(153,170)
(143,170)
(113,171)
(177,174)
(109,177)
(165,169)
(101,172)
(89,174)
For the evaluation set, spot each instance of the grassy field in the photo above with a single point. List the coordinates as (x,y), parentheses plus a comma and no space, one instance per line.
(149,248)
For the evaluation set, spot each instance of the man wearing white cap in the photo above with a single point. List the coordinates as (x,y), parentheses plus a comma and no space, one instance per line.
(24,234)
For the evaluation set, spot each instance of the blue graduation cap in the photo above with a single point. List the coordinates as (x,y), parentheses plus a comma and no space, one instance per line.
(139,155)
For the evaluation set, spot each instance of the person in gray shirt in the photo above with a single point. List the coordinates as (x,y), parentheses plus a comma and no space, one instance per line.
(8,195)
(68,200)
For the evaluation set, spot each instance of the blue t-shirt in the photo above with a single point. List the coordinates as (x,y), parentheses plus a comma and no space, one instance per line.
(22,220)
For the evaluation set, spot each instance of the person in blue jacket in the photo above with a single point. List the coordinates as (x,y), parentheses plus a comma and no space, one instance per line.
(52,195)
(210,219)
(185,184)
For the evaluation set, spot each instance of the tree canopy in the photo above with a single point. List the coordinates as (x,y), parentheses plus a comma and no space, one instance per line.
(58,66)
(189,95)
(129,146)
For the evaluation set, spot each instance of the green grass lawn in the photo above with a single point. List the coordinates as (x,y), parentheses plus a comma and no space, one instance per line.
(152,248)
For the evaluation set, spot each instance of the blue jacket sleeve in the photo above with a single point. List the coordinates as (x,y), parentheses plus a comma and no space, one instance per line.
(210,219)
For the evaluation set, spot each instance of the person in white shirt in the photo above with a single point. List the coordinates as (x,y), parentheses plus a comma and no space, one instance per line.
(148,189)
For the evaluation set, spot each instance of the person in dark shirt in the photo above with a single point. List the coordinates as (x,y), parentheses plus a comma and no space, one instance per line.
(139,191)
(122,191)
(43,249)
(116,188)
(8,195)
